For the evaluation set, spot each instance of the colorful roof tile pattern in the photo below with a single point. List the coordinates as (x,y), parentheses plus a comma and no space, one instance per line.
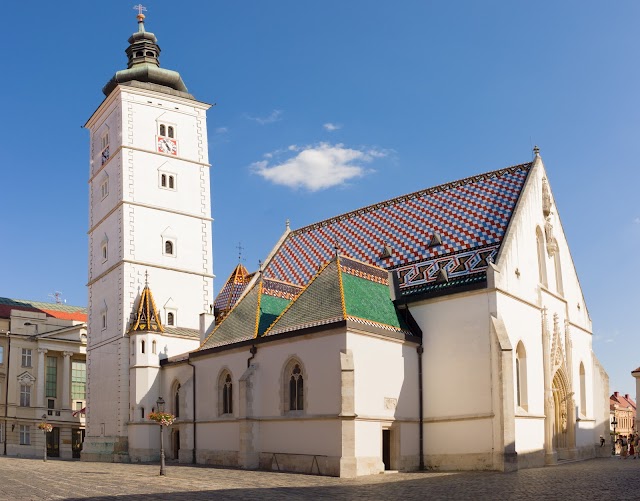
(147,318)
(253,314)
(344,290)
(55,310)
(469,216)
(231,291)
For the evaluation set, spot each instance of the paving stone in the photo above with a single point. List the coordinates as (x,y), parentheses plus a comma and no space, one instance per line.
(31,480)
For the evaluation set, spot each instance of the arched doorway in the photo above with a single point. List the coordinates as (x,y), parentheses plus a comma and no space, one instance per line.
(561,415)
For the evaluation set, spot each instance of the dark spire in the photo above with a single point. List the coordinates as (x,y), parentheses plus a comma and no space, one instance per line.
(143,66)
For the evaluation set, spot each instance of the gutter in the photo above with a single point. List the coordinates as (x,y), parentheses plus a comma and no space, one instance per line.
(6,390)
(193,367)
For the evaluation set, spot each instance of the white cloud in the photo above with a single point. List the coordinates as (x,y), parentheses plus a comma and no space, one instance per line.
(331,127)
(274,116)
(316,167)
(222,130)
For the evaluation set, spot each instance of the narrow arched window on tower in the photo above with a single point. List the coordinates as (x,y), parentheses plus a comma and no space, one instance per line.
(153,347)
(142,346)
(170,318)
(163,130)
(163,180)
(171,132)
(168,247)
(171,182)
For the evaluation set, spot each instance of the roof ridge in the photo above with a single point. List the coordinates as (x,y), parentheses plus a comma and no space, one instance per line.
(409,196)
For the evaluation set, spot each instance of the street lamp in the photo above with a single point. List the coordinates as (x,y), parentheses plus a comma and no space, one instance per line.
(614,422)
(44,429)
(160,405)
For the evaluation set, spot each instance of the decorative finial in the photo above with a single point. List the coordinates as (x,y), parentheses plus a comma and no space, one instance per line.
(146,279)
(336,246)
(140,8)
(536,151)
(287,224)
(240,249)
(260,264)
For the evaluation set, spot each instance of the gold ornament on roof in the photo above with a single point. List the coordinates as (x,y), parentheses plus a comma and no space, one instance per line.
(147,318)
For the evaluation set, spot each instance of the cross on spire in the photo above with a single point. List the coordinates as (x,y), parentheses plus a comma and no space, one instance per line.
(146,279)
(140,8)
(240,249)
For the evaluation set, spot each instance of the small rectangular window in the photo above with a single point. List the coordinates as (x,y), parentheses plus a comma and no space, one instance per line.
(25,395)
(1,355)
(78,380)
(25,435)
(141,412)
(104,188)
(104,321)
(51,384)
(26,357)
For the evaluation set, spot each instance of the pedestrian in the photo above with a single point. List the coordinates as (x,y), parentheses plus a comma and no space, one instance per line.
(623,448)
(632,451)
(601,441)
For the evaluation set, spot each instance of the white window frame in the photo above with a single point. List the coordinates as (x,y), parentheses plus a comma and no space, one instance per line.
(104,146)
(26,357)
(25,434)
(104,187)
(173,247)
(167,125)
(25,395)
(104,249)
(169,176)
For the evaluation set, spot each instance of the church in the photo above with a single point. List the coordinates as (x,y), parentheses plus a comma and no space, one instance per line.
(444,329)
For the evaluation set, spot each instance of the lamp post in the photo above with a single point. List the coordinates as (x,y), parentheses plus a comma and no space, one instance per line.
(44,429)
(160,405)
(614,422)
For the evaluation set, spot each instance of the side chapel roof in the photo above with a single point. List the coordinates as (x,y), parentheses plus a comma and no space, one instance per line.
(231,291)
(254,313)
(147,318)
(344,290)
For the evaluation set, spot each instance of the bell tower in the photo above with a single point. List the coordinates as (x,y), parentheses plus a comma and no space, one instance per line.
(149,216)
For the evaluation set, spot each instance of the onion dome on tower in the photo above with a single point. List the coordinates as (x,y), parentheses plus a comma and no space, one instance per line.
(143,68)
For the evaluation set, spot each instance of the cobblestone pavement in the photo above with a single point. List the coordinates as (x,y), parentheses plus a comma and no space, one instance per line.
(30,479)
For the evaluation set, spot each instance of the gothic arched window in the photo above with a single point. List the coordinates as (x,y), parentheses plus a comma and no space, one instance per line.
(168,247)
(226,394)
(296,389)
(163,130)
(176,401)
(170,318)
(521,376)
(542,265)
(171,133)
(583,391)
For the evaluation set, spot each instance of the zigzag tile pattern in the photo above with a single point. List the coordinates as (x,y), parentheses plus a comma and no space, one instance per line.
(472,213)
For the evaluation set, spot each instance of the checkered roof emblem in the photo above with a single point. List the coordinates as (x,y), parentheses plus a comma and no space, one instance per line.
(468,214)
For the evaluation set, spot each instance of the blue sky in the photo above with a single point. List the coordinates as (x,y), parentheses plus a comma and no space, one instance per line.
(387,97)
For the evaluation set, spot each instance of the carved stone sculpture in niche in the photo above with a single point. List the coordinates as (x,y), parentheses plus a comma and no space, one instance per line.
(552,245)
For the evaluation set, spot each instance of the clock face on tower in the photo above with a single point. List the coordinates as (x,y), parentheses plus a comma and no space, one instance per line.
(167,145)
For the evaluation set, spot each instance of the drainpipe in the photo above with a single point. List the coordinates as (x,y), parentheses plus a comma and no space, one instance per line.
(253,350)
(193,372)
(420,350)
(6,390)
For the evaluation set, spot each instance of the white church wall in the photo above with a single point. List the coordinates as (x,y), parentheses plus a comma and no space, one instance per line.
(457,378)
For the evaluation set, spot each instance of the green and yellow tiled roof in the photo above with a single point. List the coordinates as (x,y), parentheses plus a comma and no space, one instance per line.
(253,313)
(343,290)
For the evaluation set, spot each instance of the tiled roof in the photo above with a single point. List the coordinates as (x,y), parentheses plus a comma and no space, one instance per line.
(469,217)
(231,291)
(253,314)
(147,318)
(182,331)
(61,311)
(344,290)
